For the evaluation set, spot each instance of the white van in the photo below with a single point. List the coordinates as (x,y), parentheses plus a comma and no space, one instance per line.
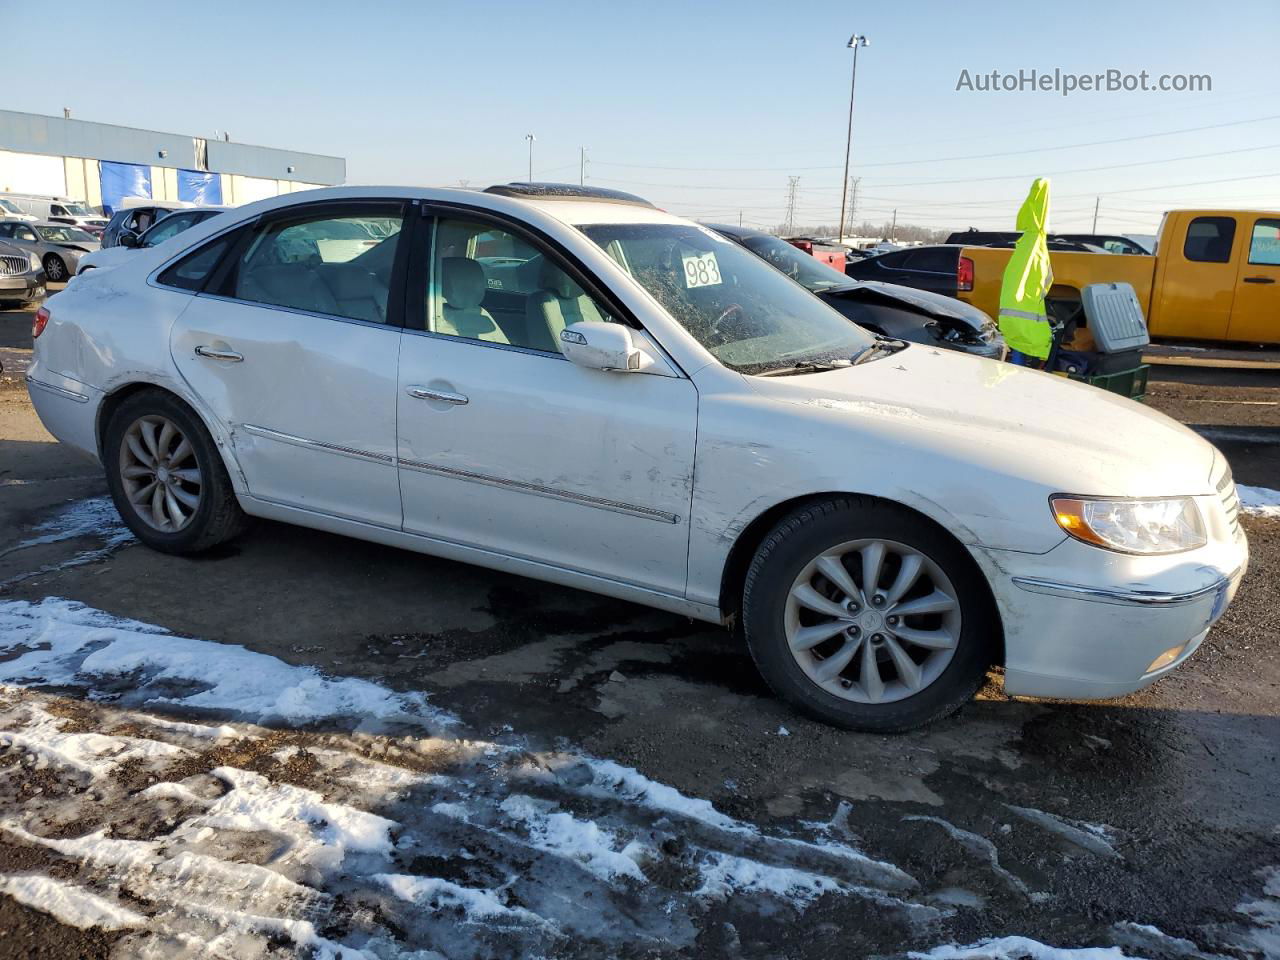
(9,210)
(57,209)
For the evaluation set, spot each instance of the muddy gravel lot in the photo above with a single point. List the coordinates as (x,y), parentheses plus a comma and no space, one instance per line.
(310,746)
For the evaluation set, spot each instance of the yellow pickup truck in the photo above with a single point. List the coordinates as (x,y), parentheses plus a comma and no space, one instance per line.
(1215,276)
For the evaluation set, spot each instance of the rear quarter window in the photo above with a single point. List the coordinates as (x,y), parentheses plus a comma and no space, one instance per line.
(193,270)
(1209,239)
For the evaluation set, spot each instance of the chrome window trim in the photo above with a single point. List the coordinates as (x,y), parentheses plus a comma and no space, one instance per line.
(57,391)
(537,489)
(453,338)
(1115,595)
(317,444)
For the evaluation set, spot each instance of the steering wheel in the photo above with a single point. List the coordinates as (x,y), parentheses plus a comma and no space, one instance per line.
(732,310)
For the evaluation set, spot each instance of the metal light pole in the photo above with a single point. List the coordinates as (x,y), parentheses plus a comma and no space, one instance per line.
(530,137)
(856,41)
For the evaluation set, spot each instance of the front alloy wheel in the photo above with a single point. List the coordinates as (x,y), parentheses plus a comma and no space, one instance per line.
(872,621)
(159,473)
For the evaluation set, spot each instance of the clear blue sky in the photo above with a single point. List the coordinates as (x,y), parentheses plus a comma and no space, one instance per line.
(737,95)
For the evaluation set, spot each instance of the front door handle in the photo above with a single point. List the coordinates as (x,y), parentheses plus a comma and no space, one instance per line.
(422,393)
(212,353)
(1259,280)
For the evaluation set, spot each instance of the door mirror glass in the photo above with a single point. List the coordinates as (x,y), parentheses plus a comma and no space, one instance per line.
(603,346)
(128,238)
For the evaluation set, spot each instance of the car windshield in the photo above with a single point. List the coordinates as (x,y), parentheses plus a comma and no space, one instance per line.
(65,235)
(752,318)
(79,210)
(799,266)
(9,207)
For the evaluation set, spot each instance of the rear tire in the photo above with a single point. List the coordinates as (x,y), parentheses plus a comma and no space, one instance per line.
(834,647)
(166,476)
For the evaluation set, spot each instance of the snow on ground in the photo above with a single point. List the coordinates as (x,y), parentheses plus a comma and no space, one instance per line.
(95,518)
(1018,948)
(1259,501)
(309,815)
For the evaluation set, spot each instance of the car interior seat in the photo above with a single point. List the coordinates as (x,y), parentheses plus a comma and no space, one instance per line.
(288,285)
(558,303)
(462,285)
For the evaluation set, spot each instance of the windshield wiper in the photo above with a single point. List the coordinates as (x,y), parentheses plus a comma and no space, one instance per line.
(806,366)
(884,346)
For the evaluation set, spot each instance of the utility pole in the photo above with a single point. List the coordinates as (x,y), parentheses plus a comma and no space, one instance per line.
(1096,203)
(530,137)
(855,41)
(739,218)
(791,203)
(894,228)
(582,166)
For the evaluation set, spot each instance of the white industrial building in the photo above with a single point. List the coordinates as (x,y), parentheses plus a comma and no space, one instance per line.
(99,164)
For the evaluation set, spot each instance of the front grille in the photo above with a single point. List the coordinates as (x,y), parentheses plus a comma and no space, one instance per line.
(1230,500)
(14,266)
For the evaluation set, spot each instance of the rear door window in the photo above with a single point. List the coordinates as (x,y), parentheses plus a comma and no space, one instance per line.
(336,261)
(1209,239)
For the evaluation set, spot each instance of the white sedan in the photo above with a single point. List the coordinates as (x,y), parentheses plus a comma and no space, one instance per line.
(572,385)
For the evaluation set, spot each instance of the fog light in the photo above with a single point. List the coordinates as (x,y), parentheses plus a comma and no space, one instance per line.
(1166,658)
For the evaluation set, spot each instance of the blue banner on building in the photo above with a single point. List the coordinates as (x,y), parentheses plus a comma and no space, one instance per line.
(200,188)
(120,180)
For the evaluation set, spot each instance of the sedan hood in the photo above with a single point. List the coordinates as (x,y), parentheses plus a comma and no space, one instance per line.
(918,301)
(1064,436)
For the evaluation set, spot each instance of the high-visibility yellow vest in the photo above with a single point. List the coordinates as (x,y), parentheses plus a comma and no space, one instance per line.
(1027,278)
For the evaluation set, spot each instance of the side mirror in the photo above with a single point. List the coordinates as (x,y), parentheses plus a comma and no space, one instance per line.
(603,346)
(127,238)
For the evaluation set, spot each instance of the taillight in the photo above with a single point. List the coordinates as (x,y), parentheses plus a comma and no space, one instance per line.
(964,274)
(40,321)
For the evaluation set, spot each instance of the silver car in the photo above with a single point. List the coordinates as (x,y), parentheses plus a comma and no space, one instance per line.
(21,276)
(58,245)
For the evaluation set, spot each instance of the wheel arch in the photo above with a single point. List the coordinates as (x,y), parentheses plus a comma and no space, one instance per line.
(753,534)
(117,396)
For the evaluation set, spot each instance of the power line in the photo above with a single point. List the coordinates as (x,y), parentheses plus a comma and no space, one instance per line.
(975,156)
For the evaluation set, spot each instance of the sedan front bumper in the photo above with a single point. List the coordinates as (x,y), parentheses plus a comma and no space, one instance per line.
(26,287)
(1084,623)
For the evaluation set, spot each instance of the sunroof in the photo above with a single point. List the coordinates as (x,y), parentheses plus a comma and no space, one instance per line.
(565,191)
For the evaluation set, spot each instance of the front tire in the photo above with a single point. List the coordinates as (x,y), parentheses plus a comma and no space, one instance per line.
(54,268)
(866,616)
(166,476)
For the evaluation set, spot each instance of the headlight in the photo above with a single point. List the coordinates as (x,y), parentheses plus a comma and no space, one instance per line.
(1132,526)
(34,260)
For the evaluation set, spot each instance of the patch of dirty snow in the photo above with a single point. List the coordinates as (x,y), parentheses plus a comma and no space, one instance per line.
(63,643)
(475,905)
(463,847)
(95,518)
(90,754)
(977,845)
(1018,948)
(69,904)
(1259,501)
(581,841)
(726,875)
(1092,837)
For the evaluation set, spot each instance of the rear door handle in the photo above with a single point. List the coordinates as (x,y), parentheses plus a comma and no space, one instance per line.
(1259,280)
(211,353)
(422,393)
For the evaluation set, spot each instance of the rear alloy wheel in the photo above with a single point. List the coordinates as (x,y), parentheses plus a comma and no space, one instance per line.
(868,616)
(54,269)
(166,476)
(160,475)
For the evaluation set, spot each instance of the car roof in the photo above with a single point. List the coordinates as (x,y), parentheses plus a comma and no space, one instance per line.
(52,223)
(572,212)
(738,233)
